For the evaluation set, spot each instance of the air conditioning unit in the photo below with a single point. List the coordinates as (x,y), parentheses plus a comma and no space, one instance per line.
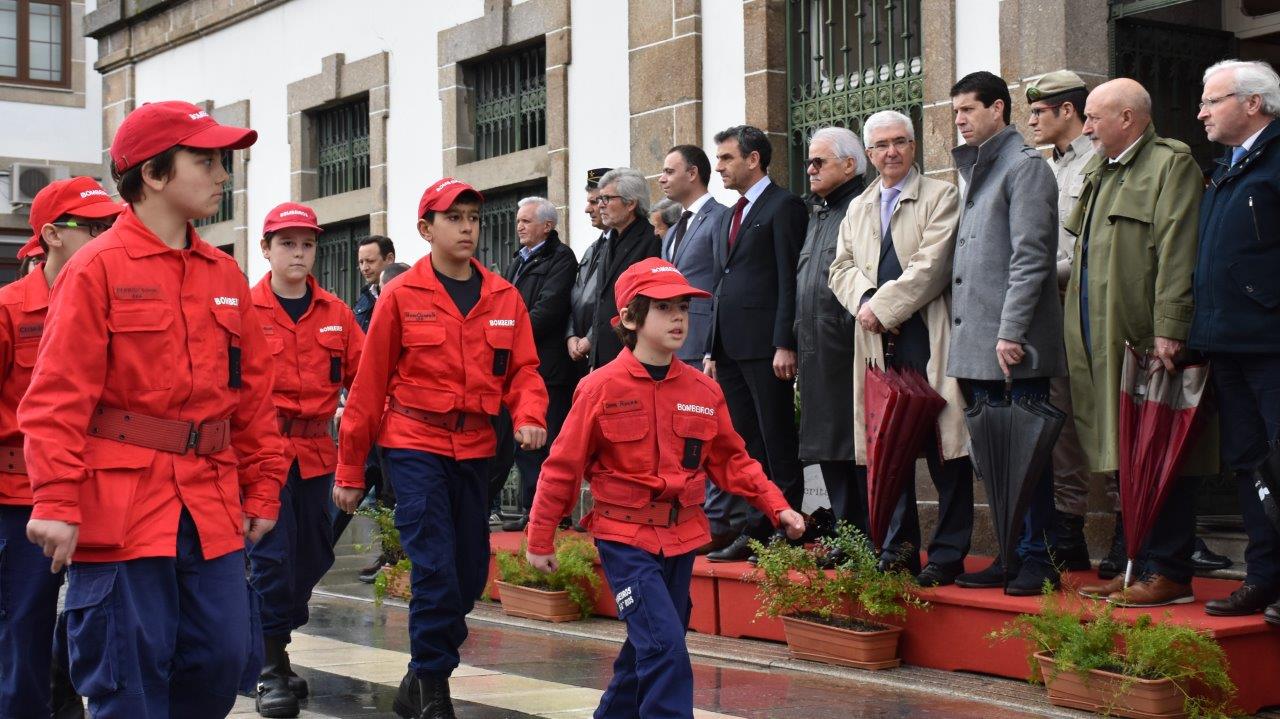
(27,180)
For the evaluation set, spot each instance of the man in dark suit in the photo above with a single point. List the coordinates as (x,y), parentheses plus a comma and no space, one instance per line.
(623,203)
(543,270)
(582,301)
(752,348)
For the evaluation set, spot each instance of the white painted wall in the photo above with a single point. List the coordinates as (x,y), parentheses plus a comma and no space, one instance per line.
(723,83)
(977,36)
(599,103)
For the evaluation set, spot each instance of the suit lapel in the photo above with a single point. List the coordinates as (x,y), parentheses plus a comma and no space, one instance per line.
(756,208)
(694,222)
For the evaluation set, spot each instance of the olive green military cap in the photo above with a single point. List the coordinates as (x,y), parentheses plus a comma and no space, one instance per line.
(1054,83)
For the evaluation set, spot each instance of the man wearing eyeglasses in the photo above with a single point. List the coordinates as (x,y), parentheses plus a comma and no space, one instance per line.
(1131,283)
(65,215)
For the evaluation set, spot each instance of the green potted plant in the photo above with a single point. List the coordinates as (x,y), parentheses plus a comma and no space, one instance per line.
(393,580)
(563,595)
(830,615)
(1090,660)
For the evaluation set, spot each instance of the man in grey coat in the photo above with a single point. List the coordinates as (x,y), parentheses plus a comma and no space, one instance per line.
(1006,317)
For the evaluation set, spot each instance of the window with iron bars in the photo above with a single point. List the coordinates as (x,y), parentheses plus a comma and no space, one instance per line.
(335,268)
(846,61)
(498,243)
(511,101)
(342,147)
(226,206)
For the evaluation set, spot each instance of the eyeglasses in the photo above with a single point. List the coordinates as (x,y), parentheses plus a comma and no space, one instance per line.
(93,228)
(1210,102)
(899,143)
(817,162)
(1035,111)
(606,199)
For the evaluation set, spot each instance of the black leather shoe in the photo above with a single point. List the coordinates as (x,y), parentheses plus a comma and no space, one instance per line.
(993,577)
(938,575)
(370,573)
(904,559)
(516,525)
(1031,579)
(1248,599)
(1113,564)
(275,700)
(737,551)
(1207,560)
(420,698)
(1272,614)
(1070,551)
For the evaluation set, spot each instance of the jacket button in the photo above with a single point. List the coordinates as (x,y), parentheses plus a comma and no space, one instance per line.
(969,203)
(1248,288)
(726,270)
(960,242)
(959,281)
(957,320)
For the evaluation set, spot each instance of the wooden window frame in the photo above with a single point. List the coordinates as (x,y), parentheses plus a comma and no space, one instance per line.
(24,47)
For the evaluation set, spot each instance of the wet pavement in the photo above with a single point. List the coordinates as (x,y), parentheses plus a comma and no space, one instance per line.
(353,653)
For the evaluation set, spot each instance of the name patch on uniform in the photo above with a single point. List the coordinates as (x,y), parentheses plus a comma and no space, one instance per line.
(502,323)
(622,405)
(268,329)
(420,316)
(136,292)
(30,331)
(624,600)
(226,301)
(330,328)
(696,409)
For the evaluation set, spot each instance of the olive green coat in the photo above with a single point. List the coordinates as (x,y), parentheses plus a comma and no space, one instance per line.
(1141,215)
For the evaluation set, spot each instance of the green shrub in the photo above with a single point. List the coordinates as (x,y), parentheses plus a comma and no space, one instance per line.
(576,573)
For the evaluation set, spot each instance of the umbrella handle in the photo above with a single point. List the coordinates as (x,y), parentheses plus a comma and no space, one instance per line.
(1034,357)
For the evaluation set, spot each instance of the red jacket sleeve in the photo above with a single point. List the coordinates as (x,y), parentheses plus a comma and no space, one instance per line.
(562,471)
(67,383)
(367,400)
(255,433)
(526,393)
(734,471)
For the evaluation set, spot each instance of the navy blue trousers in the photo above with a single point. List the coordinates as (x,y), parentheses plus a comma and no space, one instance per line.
(442,512)
(161,637)
(289,561)
(652,676)
(1038,525)
(28,612)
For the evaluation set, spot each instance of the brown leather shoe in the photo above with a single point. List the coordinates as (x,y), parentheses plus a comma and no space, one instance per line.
(1153,590)
(1104,590)
(718,542)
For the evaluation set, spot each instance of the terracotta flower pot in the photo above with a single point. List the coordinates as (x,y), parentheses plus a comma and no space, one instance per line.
(845,647)
(531,603)
(1118,695)
(397,582)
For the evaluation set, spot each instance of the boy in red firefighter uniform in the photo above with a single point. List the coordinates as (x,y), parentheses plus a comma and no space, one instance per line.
(316,342)
(450,343)
(646,432)
(151,440)
(65,215)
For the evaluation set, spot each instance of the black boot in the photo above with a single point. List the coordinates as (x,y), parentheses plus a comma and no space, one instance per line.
(421,698)
(297,684)
(1070,552)
(1112,564)
(275,699)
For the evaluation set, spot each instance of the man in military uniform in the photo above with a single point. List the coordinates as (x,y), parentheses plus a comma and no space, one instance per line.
(1056,118)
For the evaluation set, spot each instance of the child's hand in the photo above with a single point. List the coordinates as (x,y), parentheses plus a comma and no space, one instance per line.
(347,498)
(531,437)
(793,522)
(542,562)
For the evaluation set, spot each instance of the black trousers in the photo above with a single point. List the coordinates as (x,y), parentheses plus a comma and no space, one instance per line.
(953,479)
(527,462)
(846,485)
(763,411)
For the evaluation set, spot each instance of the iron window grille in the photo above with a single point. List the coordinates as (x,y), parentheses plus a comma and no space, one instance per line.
(342,147)
(498,242)
(336,258)
(226,206)
(510,101)
(846,61)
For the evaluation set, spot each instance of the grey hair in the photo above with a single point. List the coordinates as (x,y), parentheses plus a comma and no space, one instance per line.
(845,144)
(668,209)
(546,211)
(883,119)
(630,186)
(1252,78)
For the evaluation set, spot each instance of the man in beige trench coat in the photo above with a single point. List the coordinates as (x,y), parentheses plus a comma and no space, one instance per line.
(892,271)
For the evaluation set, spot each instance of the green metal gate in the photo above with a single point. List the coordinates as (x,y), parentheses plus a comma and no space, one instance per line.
(336,258)
(847,60)
(342,147)
(511,101)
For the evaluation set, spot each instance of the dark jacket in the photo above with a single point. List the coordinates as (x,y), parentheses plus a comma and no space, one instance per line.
(582,300)
(824,335)
(363,308)
(1237,279)
(755,298)
(636,243)
(545,282)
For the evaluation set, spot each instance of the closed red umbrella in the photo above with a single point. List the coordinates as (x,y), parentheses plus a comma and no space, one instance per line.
(1159,418)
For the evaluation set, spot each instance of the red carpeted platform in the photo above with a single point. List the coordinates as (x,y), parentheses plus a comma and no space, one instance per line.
(952,633)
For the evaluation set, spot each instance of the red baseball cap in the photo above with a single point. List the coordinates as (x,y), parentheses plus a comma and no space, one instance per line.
(441,195)
(79,196)
(654,278)
(290,214)
(157,126)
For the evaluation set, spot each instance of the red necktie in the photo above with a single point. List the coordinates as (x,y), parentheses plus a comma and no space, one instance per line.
(737,220)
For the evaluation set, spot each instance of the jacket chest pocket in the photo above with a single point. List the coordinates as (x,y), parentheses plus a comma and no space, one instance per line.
(623,438)
(229,321)
(141,347)
(333,344)
(24,355)
(500,341)
(694,434)
(422,342)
